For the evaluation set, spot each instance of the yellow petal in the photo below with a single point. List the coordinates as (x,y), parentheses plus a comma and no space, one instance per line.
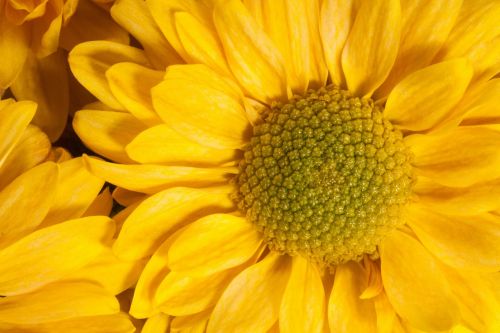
(131,85)
(45,81)
(461,157)
(203,106)
(22,205)
(374,285)
(58,301)
(252,57)
(214,243)
(111,273)
(464,242)
(144,29)
(51,253)
(101,205)
(251,302)
(425,24)
(372,46)
(186,322)
(89,62)
(386,317)
(154,178)
(415,285)
(14,118)
(425,97)
(303,304)
(76,189)
(483,107)
(485,60)
(107,132)
(14,45)
(337,18)
(147,227)
(126,198)
(156,324)
(45,31)
(90,22)
(161,144)
(31,149)
(347,312)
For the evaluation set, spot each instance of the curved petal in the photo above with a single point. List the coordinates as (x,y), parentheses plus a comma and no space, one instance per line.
(156,323)
(14,46)
(102,204)
(483,107)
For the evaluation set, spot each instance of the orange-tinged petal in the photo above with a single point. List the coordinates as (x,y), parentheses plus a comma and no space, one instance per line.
(251,302)
(89,62)
(463,242)
(425,97)
(126,198)
(45,31)
(150,223)
(58,301)
(214,243)
(415,285)
(252,57)
(372,45)
(161,144)
(101,205)
(14,46)
(107,132)
(347,312)
(49,254)
(154,178)
(202,106)
(303,304)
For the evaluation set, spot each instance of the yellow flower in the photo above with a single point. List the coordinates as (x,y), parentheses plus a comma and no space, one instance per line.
(58,273)
(303,166)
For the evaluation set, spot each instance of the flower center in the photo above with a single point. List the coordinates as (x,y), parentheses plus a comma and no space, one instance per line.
(325,176)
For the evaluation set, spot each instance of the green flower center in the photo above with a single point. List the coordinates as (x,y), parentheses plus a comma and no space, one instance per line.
(325,176)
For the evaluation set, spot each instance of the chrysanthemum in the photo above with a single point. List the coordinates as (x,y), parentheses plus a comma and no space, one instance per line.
(57,271)
(311,167)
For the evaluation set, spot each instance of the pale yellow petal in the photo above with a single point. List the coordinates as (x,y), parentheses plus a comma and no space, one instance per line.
(202,106)
(45,81)
(102,204)
(142,26)
(251,302)
(151,179)
(25,202)
(252,57)
(425,97)
(214,243)
(337,18)
(149,225)
(49,254)
(14,46)
(463,242)
(89,62)
(107,132)
(347,312)
(303,304)
(161,144)
(372,46)
(58,301)
(156,324)
(460,157)
(415,285)
(131,85)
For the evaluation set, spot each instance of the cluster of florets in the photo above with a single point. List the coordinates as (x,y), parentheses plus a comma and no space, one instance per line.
(325,176)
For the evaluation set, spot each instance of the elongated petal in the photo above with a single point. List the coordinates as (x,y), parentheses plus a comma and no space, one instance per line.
(131,85)
(252,301)
(107,132)
(415,285)
(346,310)
(483,107)
(372,46)
(22,207)
(102,204)
(14,46)
(51,253)
(203,106)
(252,57)
(461,157)
(303,304)
(425,97)
(483,57)
(148,226)
(58,301)
(214,243)
(161,144)
(89,62)
(155,324)
(153,178)
(464,242)
(144,29)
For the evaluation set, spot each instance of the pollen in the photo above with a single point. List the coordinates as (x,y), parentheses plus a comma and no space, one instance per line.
(325,176)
